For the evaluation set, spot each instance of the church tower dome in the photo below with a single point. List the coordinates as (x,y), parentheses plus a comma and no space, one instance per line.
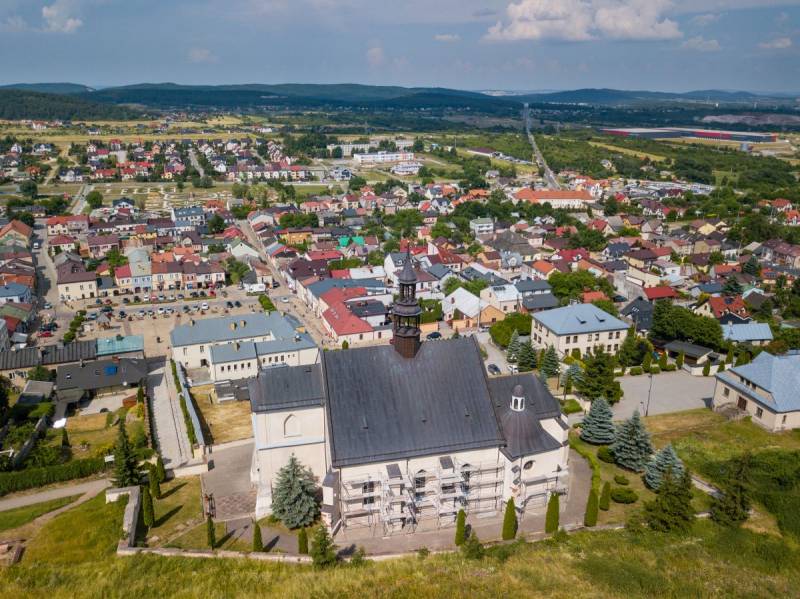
(406,313)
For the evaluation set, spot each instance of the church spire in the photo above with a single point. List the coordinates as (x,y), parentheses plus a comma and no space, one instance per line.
(406,313)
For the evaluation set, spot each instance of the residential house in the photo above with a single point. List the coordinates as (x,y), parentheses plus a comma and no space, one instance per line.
(577,328)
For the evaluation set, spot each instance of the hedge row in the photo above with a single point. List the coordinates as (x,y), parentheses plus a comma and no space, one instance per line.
(591,458)
(187,419)
(38,477)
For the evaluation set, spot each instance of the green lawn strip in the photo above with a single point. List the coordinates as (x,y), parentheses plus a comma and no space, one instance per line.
(22,515)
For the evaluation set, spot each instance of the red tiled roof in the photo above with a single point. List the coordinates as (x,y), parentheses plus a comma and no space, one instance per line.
(654,293)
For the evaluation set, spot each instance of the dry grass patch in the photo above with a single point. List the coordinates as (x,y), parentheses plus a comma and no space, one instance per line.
(229,421)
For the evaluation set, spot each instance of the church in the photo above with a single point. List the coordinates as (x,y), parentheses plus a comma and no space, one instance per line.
(405,435)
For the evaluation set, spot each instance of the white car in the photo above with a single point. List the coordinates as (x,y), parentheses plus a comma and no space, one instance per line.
(284,300)
(204,306)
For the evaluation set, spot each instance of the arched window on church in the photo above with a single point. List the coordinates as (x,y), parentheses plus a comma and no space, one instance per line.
(291,426)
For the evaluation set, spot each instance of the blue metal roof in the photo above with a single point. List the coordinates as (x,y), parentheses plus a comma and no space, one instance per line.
(778,375)
(751,331)
(579,318)
(119,345)
(232,328)
(233,352)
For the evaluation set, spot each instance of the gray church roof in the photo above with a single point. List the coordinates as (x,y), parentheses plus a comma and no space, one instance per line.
(286,388)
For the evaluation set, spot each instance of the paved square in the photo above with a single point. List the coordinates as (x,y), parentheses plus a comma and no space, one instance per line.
(671,392)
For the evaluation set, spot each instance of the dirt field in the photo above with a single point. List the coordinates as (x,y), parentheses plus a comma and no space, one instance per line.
(229,421)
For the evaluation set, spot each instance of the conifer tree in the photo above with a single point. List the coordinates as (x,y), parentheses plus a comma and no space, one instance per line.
(147,507)
(64,437)
(628,352)
(258,543)
(294,500)
(323,551)
(211,533)
(647,362)
(598,378)
(605,497)
(680,360)
(160,470)
(729,357)
(510,521)
(662,361)
(526,358)
(125,463)
(461,527)
(632,448)
(590,517)
(707,369)
(598,426)
(732,507)
(512,352)
(573,376)
(671,510)
(551,518)
(155,486)
(664,460)
(752,267)
(472,547)
(302,542)
(549,366)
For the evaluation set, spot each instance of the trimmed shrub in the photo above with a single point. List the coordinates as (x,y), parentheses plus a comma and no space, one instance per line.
(670,368)
(258,543)
(590,517)
(621,479)
(510,521)
(707,369)
(211,533)
(624,495)
(635,371)
(655,369)
(604,455)
(302,542)
(147,507)
(571,406)
(605,497)
(38,477)
(551,520)
(461,528)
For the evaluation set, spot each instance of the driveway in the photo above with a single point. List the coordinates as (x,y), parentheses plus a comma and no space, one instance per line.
(228,480)
(671,392)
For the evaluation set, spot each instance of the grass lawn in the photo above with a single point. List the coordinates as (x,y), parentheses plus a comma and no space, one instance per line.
(630,152)
(91,435)
(179,505)
(229,421)
(20,516)
(197,538)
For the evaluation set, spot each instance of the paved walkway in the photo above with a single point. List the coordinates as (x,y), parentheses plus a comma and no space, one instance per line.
(92,487)
(170,428)
(228,479)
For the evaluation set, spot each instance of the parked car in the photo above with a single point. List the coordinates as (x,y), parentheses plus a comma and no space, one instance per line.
(512,368)
(137,299)
(122,314)
(161,310)
(46,334)
(237,303)
(181,296)
(284,300)
(275,284)
(106,309)
(193,294)
(126,301)
(493,369)
(229,305)
(434,335)
(48,306)
(204,306)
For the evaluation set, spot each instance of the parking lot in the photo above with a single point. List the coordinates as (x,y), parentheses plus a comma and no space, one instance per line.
(670,392)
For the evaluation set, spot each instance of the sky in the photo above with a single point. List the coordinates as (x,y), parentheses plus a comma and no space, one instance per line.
(669,45)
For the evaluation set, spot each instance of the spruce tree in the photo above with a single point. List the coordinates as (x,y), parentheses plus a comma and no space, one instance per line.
(155,486)
(302,542)
(294,500)
(551,518)
(664,460)
(211,533)
(64,438)
(472,547)
(549,366)
(510,521)
(732,506)
(147,508)
(125,463)
(590,517)
(598,426)
(632,448)
(258,543)
(671,510)
(573,376)
(512,351)
(605,497)
(323,551)
(461,528)
(526,359)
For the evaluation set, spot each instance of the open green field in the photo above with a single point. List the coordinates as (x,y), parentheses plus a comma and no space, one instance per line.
(710,562)
(630,152)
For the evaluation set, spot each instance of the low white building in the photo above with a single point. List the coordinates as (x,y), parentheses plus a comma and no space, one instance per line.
(383,157)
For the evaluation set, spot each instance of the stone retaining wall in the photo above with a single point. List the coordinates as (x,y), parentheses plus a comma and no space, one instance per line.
(131,515)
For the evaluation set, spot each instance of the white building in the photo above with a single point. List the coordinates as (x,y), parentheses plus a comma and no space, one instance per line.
(581,327)
(236,347)
(383,157)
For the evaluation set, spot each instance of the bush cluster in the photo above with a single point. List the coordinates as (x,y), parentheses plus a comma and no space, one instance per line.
(621,479)
(37,477)
(624,495)
(635,371)
(604,454)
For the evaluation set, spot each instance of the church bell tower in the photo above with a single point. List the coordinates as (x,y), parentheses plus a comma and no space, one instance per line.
(406,313)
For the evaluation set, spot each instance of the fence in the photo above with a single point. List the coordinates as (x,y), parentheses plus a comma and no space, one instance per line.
(193,417)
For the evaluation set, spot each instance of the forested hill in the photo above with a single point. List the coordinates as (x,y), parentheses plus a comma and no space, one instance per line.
(18,104)
(50,88)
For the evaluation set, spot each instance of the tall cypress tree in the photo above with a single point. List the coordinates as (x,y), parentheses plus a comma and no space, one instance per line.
(512,351)
(549,366)
(732,507)
(148,517)
(155,486)
(605,497)
(294,501)
(664,460)
(590,516)
(258,543)
(461,528)
(671,510)
(125,463)
(598,426)
(552,516)
(632,448)
(510,521)
(302,542)
(160,470)
(211,533)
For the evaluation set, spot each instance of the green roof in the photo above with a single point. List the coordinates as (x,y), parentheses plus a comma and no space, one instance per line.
(120,344)
(345,241)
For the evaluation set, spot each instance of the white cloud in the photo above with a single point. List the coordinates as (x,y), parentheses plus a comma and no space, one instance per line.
(59,17)
(375,56)
(13,24)
(779,43)
(582,20)
(703,20)
(201,56)
(446,37)
(701,44)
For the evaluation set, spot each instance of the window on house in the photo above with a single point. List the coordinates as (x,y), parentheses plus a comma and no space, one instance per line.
(528,465)
(291,426)
(367,501)
(202,349)
(726,392)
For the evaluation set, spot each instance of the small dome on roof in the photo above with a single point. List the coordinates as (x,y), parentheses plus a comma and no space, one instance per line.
(518,391)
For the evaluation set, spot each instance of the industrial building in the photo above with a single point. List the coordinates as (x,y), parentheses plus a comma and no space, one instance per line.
(685,132)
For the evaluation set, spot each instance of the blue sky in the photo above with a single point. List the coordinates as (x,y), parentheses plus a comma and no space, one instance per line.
(674,45)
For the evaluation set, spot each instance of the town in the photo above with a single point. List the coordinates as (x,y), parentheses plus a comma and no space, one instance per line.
(271,339)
